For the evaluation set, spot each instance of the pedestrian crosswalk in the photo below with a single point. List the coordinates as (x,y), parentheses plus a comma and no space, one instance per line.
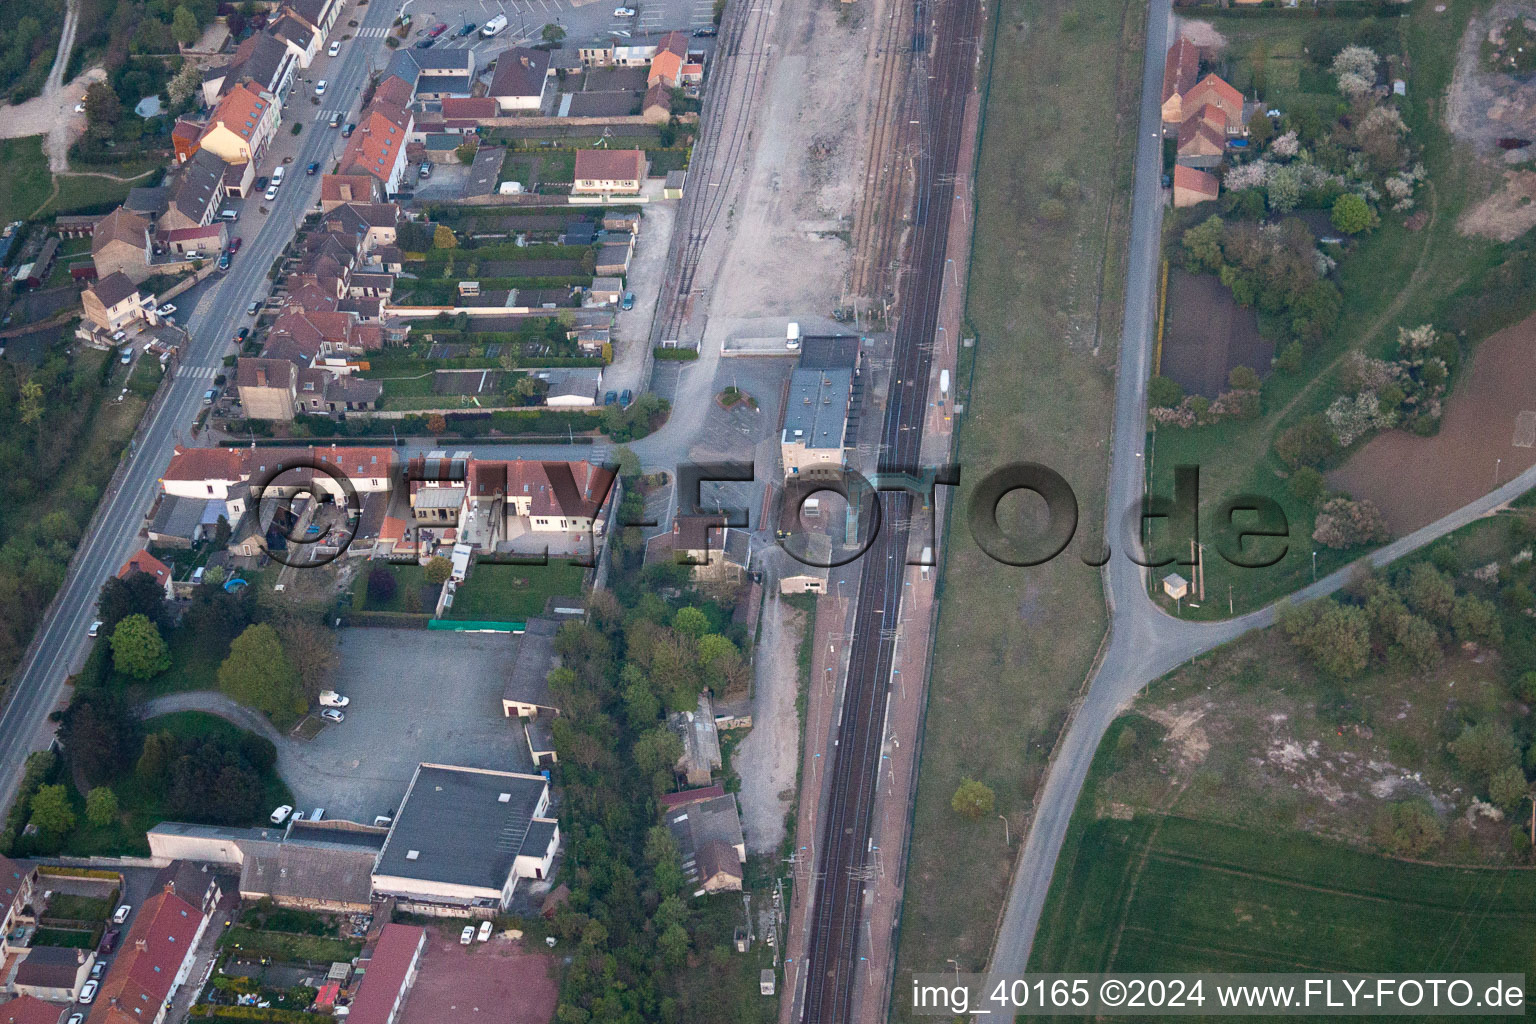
(372,33)
(199,372)
(326,115)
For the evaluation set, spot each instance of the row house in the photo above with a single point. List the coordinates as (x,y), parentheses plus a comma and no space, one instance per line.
(220,473)
(377,147)
(158,954)
(523,81)
(264,60)
(372,224)
(340,189)
(432,74)
(241,127)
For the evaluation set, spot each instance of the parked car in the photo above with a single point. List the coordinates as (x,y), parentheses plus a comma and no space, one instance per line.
(271,193)
(251,309)
(623,12)
(88,992)
(426,171)
(628,301)
(242,334)
(706,32)
(77,1018)
(317,814)
(346,132)
(314,165)
(320,87)
(197,574)
(127,356)
(437,30)
(425,44)
(262,182)
(626,398)
(223,261)
(277,174)
(95,629)
(485,931)
(98,968)
(280,815)
(333,49)
(467,935)
(333,715)
(468,29)
(382,820)
(109,940)
(235,245)
(610,398)
(167,309)
(122,913)
(332,699)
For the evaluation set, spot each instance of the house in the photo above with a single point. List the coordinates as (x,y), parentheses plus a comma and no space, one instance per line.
(321,14)
(670,65)
(323,866)
(195,883)
(182,522)
(590,340)
(120,244)
(203,472)
(389,972)
(262,59)
(18,881)
(463,839)
(1191,186)
(157,955)
(571,389)
(817,418)
(714,551)
(672,188)
(53,973)
(1178,78)
(605,291)
(143,561)
(1213,91)
(613,259)
(657,105)
(322,393)
(1202,138)
(196,194)
(528,507)
(526,694)
(701,824)
(150,202)
(30,1010)
(431,74)
(115,301)
(700,739)
(372,224)
(377,147)
(609,171)
(523,80)
(241,126)
(337,189)
(300,37)
(470,109)
(268,388)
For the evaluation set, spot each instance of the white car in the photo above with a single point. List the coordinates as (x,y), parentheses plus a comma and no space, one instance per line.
(79,108)
(95,628)
(332,699)
(320,87)
(88,992)
(623,12)
(485,931)
(332,715)
(271,192)
(334,49)
(467,935)
(280,815)
(169,308)
(78,1018)
(122,913)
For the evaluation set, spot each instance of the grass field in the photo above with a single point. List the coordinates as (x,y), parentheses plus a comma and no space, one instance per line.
(1020,641)
(1396,277)
(90,192)
(26,182)
(514,593)
(1174,894)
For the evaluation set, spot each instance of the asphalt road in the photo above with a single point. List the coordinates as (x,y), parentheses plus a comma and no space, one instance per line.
(1146,643)
(61,640)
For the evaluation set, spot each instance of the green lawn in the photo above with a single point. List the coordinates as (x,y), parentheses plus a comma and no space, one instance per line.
(1044,305)
(66,938)
(91,192)
(409,596)
(26,182)
(78,908)
(514,593)
(287,947)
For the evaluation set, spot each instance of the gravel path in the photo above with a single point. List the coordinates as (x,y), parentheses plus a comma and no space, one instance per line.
(766,758)
(214,704)
(52,113)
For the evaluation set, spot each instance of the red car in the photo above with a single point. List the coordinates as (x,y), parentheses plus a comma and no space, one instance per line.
(438,30)
(235,245)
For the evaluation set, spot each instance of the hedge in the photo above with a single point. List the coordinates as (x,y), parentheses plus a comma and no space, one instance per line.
(208,1011)
(677,355)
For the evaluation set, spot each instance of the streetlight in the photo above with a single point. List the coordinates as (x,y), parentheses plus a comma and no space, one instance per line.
(1314,565)
(1005,828)
(957,968)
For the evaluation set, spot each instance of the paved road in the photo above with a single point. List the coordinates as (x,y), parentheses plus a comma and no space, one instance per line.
(1145,643)
(61,639)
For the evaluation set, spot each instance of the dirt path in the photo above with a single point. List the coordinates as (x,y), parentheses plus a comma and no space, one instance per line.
(766,758)
(214,703)
(51,114)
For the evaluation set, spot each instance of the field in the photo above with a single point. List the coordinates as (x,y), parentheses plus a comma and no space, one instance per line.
(1173,894)
(515,593)
(90,193)
(1044,304)
(25,185)
(1207,334)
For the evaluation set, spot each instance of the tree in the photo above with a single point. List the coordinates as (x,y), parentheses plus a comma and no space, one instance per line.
(1308,443)
(213,575)
(138,593)
(1344,523)
(159,752)
(552,34)
(29,405)
(1307,484)
(973,799)
(381,586)
(1243,378)
(436,424)
(257,673)
(1408,828)
(438,570)
(1484,750)
(101,807)
(442,237)
(1336,637)
(138,650)
(100,732)
(1202,246)
(626,461)
(184,27)
(311,647)
(1476,621)
(1352,214)
(691,622)
(1429,592)
(102,109)
(1508,787)
(51,812)
(1164,393)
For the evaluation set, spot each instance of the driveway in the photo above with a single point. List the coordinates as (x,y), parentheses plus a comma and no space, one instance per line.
(416,696)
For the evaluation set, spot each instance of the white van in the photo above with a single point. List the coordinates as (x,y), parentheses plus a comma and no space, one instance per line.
(277,175)
(494,26)
(197,576)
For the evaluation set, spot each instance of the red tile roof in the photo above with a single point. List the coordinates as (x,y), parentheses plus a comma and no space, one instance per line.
(689,796)
(142,975)
(387,974)
(205,464)
(572,489)
(610,165)
(1213,89)
(1196,181)
(1183,64)
(29,1010)
(346,188)
(241,111)
(1208,127)
(143,561)
(475,107)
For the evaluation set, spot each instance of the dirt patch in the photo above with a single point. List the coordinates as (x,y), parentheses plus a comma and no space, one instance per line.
(496,982)
(1184,733)
(766,759)
(1508,213)
(1207,334)
(1486,438)
(1202,33)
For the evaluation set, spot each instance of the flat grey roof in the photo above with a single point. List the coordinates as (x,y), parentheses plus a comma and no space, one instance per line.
(536,659)
(817,413)
(459,828)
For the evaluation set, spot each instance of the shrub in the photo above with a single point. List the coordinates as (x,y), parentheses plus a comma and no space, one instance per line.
(381,586)
(1343,523)
(1408,828)
(1307,484)
(973,799)
(1309,443)
(439,569)
(1164,392)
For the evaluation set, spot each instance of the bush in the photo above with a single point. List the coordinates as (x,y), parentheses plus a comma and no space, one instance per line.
(677,355)
(1163,392)
(438,570)
(381,586)
(1309,443)
(973,799)
(1408,828)
(1307,485)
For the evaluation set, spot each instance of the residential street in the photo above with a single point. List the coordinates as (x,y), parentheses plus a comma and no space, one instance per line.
(114,533)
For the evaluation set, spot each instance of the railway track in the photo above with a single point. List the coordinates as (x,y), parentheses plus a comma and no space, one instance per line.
(943,81)
(728,104)
(877,228)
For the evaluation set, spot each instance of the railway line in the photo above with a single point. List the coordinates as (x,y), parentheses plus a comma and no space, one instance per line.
(943,81)
(877,227)
(730,98)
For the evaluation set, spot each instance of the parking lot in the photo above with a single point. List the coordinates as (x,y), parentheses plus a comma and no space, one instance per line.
(415,696)
(495,982)
(526,19)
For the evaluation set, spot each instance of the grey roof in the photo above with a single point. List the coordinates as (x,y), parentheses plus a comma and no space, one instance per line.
(540,832)
(817,413)
(445,85)
(696,825)
(609,103)
(347,388)
(829,352)
(520,72)
(485,171)
(293,30)
(197,184)
(541,735)
(565,59)
(229,832)
(151,202)
(675,179)
(114,288)
(305,871)
(459,828)
(188,880)
(50,967)
(536,659)
(578,382)
(178,516)
(337,833)
(701,740)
